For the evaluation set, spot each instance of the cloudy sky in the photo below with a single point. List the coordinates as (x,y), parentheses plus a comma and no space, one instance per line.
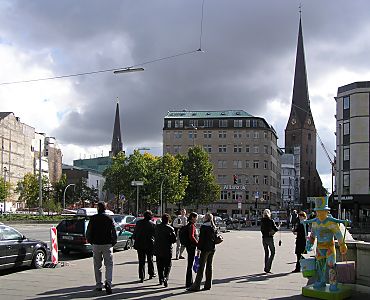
(247,63)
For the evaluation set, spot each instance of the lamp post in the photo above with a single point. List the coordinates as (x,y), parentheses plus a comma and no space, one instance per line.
(137,184)
(161,197)
(5,171)
(64,194)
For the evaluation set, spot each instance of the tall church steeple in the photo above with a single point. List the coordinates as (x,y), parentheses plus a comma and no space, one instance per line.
(117,138)
(300,132)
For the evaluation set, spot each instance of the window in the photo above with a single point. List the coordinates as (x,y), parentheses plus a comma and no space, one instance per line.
(222,123)
(247,123)
(237,134)
(222,134)
(255,179)
(11,234)
(208,123)
(223,195)
(254,123)
(192,134)
(168,149)
(178,134)
(193,123)
(346,153)
(247,164)
(265,180)
(247,135)
(207,134)
(346,102)
(265,149)
(222,148)
(265,164)
(265,134)
(238,123)
(309,136)
(221,178)
(222,164)
(207,148)
(265,195)
(179,123)
(346,180)
(256,135)
(237,148)
(247,148)
(169,124)
(256,149)
(346,128)
(237,164)
(246,180)
(255,164)
(176,148)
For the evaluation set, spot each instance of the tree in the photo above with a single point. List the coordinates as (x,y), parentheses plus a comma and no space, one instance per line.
(58,189)
(202,188)
(28,189)
(4,189)
(86,194)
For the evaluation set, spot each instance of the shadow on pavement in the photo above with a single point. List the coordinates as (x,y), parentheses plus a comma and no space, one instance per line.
(249,278)
(88,292)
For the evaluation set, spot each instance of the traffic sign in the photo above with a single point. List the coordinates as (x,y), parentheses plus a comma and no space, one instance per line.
(135,183)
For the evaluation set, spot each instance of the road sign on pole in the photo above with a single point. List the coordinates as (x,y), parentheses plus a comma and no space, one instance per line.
(136,183)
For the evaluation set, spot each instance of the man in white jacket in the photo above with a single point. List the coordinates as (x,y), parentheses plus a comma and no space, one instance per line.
(180,221)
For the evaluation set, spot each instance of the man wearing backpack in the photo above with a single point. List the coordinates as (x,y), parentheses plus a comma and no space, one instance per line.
(191,244)
(178,223)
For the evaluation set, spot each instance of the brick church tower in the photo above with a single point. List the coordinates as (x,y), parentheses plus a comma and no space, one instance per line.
(117,138)
(300,132)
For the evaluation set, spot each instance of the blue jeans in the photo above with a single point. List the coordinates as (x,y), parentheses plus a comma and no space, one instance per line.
(268,245)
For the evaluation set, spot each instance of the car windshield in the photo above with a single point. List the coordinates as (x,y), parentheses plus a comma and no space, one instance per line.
(118,219)
(72,226)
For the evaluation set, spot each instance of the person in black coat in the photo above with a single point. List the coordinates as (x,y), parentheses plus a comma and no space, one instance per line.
(164,238)
(207,248)
(300,242)
(143,243)
(268,229)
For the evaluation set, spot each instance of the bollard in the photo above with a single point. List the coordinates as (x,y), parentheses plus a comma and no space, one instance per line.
(54,245)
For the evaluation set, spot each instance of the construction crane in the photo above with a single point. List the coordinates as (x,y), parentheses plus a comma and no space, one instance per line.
(332,162)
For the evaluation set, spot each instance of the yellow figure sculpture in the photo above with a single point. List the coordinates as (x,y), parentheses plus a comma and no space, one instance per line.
(324,228)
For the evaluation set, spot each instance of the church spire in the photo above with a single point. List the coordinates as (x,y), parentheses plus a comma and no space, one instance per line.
(300,99)
(116,139)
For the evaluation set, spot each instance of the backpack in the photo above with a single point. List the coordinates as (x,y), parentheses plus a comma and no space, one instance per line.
(184,235)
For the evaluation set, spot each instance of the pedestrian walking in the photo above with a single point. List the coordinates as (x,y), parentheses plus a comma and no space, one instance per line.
(207,248)
(293,218)
(144,243)
(101,234)
(179,222)
(300,242)
(164,238)
(191,242)
(268,229)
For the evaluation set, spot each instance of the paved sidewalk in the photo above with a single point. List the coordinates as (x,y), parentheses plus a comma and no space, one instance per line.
(238,274)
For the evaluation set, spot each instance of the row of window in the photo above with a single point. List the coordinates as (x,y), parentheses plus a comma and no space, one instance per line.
(221,123)
(224,149)
(238,195)
(222,134)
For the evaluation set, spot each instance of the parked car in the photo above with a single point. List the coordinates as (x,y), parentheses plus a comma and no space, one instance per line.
(16,250)
(220,224)
(122,220)
(72,233)
(131,226)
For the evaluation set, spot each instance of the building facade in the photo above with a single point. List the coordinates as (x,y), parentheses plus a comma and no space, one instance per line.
(289,181)
(243,150)
(353,151)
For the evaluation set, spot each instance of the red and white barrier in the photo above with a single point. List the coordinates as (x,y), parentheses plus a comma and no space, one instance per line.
(54,245)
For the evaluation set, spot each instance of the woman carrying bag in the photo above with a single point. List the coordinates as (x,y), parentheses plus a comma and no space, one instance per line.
(300,243)
(268,229)
(207,248)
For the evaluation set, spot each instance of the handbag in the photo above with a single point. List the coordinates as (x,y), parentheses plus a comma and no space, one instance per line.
(218,238)
(308,266)
(196,264)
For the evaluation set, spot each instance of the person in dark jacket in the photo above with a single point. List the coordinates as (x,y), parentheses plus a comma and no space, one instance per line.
(164,238)
(144,243)
(268,229)
(207,248)
(101,234)
(300,242)
(191,247)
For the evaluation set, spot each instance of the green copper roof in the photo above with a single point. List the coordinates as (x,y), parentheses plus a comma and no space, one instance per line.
(207,114)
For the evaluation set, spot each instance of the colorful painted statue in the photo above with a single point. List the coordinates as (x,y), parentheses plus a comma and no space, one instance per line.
(324,228)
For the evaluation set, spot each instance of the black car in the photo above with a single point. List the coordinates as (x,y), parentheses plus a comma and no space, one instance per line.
(16,250)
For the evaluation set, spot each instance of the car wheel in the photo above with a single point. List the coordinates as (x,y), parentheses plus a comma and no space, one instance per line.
(39,259)
(128,244)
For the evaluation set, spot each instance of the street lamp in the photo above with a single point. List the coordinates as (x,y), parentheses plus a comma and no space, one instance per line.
(64,194)
(161,204)
(5,171)
(128,70)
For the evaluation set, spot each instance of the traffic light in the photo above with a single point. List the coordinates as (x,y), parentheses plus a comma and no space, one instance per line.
(235,178)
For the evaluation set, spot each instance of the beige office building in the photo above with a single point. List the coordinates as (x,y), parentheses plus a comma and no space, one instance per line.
(353,152)
(244,153)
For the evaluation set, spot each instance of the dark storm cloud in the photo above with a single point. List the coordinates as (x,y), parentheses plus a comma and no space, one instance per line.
(249,56)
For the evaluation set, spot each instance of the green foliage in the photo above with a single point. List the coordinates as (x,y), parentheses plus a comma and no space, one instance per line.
(85,193)
(4,189)
(28,188)
(202,188)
